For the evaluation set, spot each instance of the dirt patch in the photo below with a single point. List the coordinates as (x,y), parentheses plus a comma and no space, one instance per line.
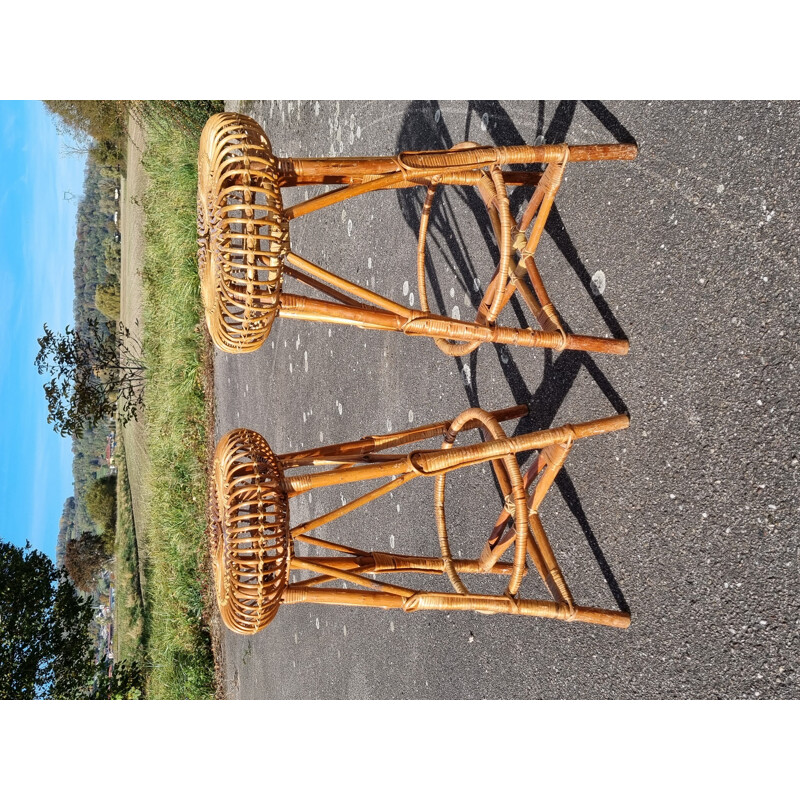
(132,315)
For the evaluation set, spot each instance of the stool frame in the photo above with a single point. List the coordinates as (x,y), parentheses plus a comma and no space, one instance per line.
(244,248)
(252,542)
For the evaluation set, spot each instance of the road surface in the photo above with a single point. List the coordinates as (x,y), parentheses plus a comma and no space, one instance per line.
(688,518)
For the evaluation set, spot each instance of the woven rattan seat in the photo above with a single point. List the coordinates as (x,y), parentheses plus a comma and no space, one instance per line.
(251,539)
(244,250)
(242,233)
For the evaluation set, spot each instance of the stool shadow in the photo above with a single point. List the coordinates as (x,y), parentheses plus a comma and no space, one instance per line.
(424,129)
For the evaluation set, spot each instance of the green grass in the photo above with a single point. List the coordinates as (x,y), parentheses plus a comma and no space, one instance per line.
(179,659)
(128,605)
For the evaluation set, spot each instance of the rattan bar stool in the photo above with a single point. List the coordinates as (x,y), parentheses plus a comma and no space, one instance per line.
(244,249)
(252,540)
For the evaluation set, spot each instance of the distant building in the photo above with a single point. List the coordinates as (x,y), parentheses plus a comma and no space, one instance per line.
(111,446)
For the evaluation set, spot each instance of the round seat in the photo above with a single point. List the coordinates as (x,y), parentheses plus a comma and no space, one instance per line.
(250,541)
(242,234)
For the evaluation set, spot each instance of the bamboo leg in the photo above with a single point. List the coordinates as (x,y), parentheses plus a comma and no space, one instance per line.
(343,284)
(446,328)
(452,602)
(491,604)
(300,171)
(431,325)
(431,462)
(317,171)
(470,178)
(308,280)
(379,563)
(411,167)
(391,588)
(390,181)
(401,563)
(434,461)
(348,507)
(392,316)
(554,580)
(326,545)
(294,306)
(370,444)
(406,166)
(515,154)
(342,597)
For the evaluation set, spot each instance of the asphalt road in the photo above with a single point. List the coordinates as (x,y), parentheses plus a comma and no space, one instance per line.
(688,518)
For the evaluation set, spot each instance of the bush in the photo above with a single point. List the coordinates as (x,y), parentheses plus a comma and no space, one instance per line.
(101,503)
(106,300)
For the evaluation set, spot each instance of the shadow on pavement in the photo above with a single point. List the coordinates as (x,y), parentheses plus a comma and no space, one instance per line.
(424,129)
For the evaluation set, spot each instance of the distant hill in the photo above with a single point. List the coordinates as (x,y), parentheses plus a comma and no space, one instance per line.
(96,266)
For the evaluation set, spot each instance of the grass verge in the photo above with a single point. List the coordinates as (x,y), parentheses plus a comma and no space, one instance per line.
(178,647)
(128,600)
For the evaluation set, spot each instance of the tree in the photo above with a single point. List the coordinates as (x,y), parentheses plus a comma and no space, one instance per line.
(45,648)
(112,255)
(108,152)
(73,660)
(106,300)
(85,557)
(101,503)
(96,372)
(97,119)
(123,681)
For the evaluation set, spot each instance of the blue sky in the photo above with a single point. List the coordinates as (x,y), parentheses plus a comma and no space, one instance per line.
(40,185)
